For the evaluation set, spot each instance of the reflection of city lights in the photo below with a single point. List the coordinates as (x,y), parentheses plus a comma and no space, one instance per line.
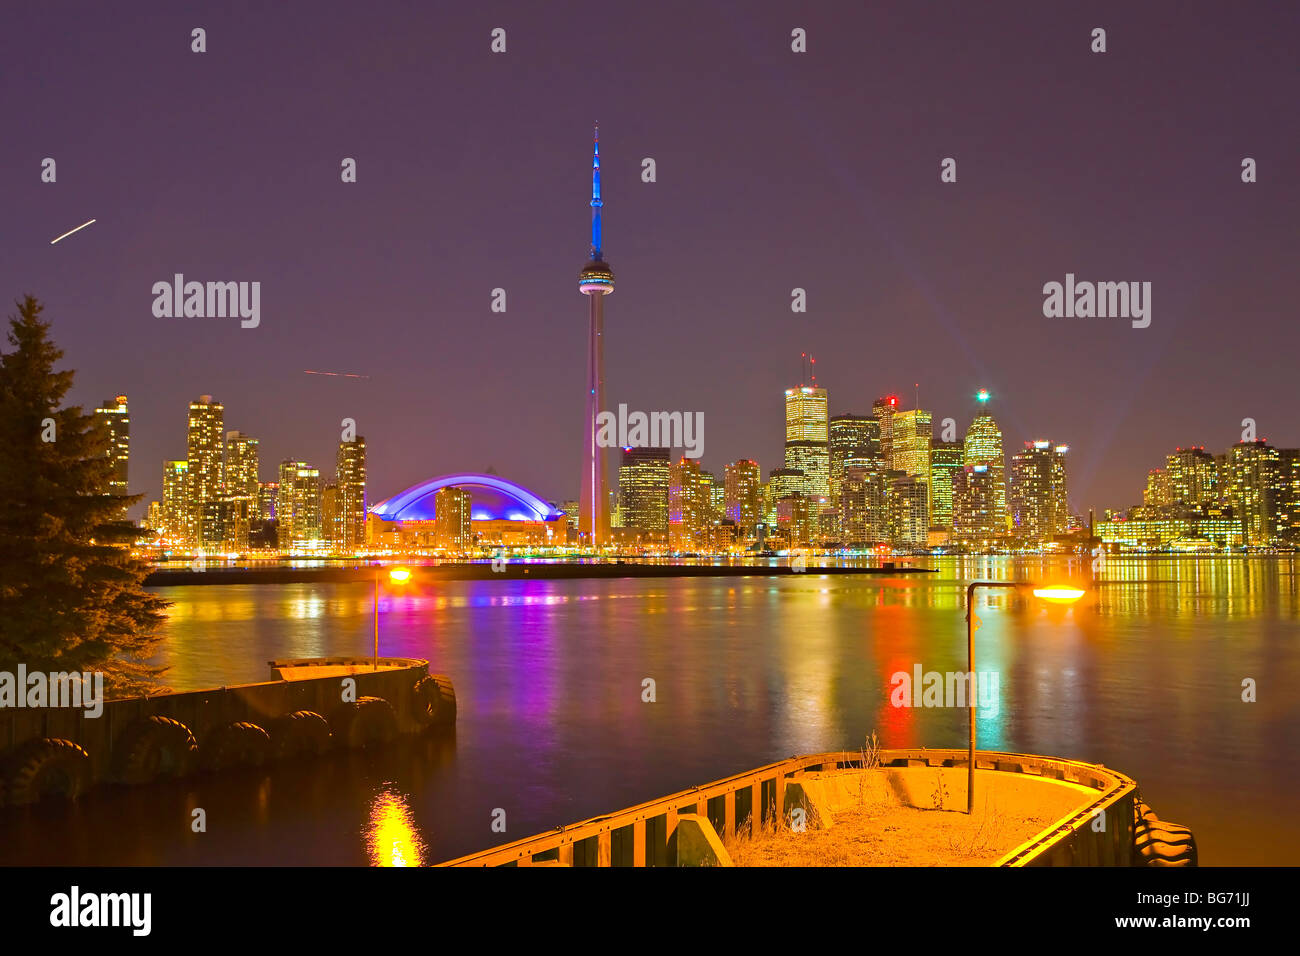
(393,839)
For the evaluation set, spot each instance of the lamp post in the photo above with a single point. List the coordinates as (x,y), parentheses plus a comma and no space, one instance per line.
(397,576)
(1053,595)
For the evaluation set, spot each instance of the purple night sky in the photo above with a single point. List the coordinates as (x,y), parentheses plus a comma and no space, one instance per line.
(775,170)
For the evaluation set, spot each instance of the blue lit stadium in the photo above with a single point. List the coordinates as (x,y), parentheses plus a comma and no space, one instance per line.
(493,499)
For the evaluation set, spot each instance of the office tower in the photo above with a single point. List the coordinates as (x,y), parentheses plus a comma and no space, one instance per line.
(946,461)
(351,470)
(1036,493)
(177,513)
(595,282)
(298,505)
(206,469)
(864,504)
(984,447)
(1257,491)
(912,431)
(909,504)
(743,495)
(571,509)
(883,410)
(268,493)
(1289,519)
(643,481)
(452,516)
(1193,478)
(118,419)
(687,507)
(710,496)
(807,438)
(976,516)
(851,436)
(794,519)
(331,517)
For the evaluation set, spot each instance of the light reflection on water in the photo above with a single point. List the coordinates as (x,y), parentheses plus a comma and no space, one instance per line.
(1144,675)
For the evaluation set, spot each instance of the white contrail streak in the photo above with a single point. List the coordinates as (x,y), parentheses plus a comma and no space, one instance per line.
(71,231)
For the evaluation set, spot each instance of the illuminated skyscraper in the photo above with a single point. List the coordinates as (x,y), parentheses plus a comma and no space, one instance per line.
(298,505)
(643,480)
(687,506)
(984,447)
(864,503)
(743,495)
(352,494)
(976,517)
(595,281)
(883,411)
(452,515)
(176,511)
(1158,492)
(807,438)
(912,432)
(909,504)
(1193,478)
(851,436)
(118,419)
(1036,493)
(946,462)
(206,484)
(1258,489)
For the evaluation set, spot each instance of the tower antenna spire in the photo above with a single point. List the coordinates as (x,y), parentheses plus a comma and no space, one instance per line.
(595,195)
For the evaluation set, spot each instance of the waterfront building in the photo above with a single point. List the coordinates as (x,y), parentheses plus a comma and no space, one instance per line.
(983,446)
(206,484)
(351,480)
(453,510)
(1257,491)
(1037,493)
(1193,478)
(909,507)
(743,495)
(976,517)
(299,505)
(807,438)
(177,515)
(864,503)
(1158,492)
(946,462)
(912,432)
(687,506)
(117,417)
(883,410)
(851,436)
(643,482)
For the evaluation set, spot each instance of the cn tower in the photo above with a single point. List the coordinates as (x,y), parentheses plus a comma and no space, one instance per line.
(596,281)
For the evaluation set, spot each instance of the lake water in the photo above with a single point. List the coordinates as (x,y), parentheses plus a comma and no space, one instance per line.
(1145,676)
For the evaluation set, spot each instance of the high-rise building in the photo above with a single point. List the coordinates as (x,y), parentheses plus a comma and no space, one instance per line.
(595,282)
(241,465)
(909,506)
(206,484)
(851,436)
(1158,492)
(947,458)
(883,410)
(1258,490)
(298,505)
(643,481)
(177,514)
(331,518)
(118,419)
(976,516)
(807,437)
(743,495)
(1036,493)
(687,506)
(984,447)
(452,514)
(864,503)
(1193,478)
(912,433)
(352,494)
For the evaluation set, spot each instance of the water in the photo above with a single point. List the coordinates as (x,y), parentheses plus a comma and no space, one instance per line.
(1147,678)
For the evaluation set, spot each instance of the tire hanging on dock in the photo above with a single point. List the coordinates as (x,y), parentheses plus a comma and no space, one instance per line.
(47,766)
(155,746)
(367,722)
(434,701)
(300,734)
(239,744)
(1157,842)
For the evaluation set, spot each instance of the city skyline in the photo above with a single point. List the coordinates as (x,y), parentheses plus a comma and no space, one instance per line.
(908,279)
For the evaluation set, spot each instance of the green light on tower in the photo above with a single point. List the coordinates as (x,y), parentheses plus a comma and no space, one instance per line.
(982,395)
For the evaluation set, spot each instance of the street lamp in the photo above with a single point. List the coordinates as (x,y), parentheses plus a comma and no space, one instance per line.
(1054,594)
(397,576)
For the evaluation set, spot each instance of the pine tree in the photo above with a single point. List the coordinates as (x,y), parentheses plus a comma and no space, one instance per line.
(71,593)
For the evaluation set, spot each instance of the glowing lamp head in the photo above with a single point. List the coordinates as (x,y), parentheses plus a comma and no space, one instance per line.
(399,575)
(1058,594)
